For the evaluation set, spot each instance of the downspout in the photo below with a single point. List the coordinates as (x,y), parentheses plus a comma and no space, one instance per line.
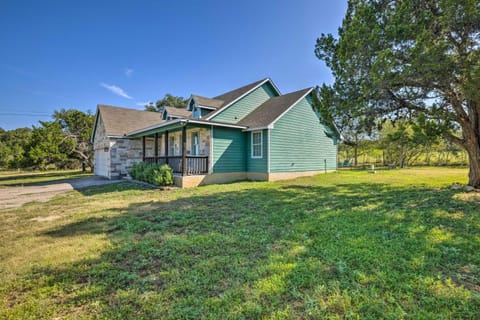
(210,166)
(268,155)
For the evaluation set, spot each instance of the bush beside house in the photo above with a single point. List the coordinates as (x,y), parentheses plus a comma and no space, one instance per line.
(160,175)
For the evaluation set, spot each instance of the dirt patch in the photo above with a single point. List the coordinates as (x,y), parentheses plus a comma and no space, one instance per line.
(45,219)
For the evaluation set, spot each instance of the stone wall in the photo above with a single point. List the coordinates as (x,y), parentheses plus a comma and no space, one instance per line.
(203,138)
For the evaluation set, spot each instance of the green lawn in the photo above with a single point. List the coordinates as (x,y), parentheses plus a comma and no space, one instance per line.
(396,244)
(24,178)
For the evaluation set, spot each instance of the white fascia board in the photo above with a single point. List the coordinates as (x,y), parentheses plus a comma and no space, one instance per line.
(163,124)
(217,124)
(270,126)
(205,107)
(92,138)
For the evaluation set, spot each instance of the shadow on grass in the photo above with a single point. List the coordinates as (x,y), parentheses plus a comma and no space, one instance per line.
(297,251)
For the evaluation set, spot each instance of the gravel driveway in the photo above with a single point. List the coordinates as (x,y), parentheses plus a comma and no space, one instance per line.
(14,197)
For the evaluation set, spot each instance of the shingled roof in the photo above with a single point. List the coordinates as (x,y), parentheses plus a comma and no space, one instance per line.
(207,102)
(231,96)
(178,112)
(271,109)
(119,121)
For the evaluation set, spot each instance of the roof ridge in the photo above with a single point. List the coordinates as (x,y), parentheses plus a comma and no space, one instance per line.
(294,92)
(255,83)
(124,108)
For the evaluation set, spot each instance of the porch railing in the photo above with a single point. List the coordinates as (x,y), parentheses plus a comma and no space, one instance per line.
(194,164)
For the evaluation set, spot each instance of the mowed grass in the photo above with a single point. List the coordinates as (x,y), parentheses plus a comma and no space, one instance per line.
(13,178)
(396,244)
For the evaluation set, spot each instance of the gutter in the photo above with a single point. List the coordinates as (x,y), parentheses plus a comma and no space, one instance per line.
(186,121)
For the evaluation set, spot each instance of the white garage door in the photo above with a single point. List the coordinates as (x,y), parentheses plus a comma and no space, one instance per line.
(101,163)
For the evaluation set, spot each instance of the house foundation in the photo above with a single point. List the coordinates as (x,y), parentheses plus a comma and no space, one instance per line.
(218,178)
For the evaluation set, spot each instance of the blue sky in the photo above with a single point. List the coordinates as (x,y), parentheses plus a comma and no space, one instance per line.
(77,54)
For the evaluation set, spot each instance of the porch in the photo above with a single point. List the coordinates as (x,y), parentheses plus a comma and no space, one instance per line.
(186,149)
(184,165)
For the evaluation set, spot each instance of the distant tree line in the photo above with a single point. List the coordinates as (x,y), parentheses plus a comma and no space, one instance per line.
(400,144)
(63,143)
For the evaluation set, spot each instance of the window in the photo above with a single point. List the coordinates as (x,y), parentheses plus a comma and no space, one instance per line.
(195,145)
(171,146)
(257,144)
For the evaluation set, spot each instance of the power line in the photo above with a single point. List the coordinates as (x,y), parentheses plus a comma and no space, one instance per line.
(25,114)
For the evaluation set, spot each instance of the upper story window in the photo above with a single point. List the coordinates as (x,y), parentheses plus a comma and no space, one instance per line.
(257,145)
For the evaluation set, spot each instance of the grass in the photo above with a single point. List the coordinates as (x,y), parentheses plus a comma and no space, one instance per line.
(396,244)
(15,178)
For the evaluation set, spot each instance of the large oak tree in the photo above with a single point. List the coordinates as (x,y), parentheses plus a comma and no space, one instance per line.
(406,58)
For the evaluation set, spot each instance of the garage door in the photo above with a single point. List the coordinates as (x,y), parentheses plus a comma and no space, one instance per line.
(101,163)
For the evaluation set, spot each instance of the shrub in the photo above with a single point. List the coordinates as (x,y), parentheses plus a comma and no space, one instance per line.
(152,173)
(163,176)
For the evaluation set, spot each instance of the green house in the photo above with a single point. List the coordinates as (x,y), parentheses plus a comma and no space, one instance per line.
(253,132)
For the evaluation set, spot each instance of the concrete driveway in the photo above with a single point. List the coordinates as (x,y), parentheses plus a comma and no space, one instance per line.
(14,197)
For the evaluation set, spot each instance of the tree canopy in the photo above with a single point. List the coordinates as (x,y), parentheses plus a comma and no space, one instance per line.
(61,143)
(77,127)
(397,59)
(167,101)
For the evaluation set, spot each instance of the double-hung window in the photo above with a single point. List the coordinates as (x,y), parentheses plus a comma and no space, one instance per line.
(195,145)
(171,146)
(257,144)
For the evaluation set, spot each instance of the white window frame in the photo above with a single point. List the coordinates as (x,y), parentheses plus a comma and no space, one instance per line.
(261,145)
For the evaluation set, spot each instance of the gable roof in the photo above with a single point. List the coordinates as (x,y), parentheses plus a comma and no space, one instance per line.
(272,109)
(178,112)
(207,102)
(230,97)
(118,121)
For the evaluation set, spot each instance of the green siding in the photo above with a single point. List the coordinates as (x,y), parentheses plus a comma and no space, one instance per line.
(257,165)
(247,104)
(228,150)
(298,142)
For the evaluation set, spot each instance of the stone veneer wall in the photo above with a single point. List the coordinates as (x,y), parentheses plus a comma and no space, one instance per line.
(203,137)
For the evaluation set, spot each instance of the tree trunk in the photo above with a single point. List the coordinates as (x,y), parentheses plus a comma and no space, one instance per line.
(473,151)
(355,155)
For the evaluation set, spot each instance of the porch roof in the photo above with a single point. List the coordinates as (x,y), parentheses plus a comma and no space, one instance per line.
(178,123)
